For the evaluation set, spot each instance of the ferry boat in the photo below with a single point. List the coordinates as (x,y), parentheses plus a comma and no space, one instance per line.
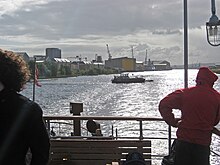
(125,78)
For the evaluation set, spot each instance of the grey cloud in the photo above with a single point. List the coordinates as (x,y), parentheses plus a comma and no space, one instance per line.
(167,32)
(90,21)
(77,18)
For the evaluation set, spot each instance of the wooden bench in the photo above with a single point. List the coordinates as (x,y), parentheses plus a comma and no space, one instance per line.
(96,151)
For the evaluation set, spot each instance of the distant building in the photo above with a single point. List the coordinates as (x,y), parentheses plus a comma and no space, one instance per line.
(98,62)
(39,58)
(79,64)
(122,64)
(162,65)
(148,65)
(99,59)
(24,55)
(52,53)
(140,66)
(61,60)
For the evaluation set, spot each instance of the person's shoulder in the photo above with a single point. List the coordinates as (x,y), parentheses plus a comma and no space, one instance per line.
(22,97)
(29,104)
(191,88)
(216,93)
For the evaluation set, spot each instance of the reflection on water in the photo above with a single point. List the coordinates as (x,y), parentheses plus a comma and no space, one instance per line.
(100,97)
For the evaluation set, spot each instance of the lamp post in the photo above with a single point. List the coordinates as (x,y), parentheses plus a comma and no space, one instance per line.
(213,27)
(185,43)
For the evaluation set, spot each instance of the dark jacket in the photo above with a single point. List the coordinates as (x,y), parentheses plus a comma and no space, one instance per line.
(21,128)
(200,109)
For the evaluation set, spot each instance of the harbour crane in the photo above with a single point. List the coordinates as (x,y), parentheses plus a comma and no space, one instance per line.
(132,52)
(146,57)
(109,54)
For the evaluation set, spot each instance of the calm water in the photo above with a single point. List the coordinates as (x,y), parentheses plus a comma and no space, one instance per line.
(100,97)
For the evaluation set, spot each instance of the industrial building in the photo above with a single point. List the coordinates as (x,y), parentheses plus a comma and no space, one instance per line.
(122,64)
(52,53)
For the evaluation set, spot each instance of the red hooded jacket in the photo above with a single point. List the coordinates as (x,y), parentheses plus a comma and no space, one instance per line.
(200,109)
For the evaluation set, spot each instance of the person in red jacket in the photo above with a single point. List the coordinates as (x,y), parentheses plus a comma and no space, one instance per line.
(200,112)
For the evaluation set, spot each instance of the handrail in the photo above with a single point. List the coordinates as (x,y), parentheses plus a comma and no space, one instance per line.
(102,118)
(112,118)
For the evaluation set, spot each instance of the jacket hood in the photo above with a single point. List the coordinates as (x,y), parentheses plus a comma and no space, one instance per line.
(206,76)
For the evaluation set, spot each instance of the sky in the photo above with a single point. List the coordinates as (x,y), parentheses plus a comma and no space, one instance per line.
(84,27)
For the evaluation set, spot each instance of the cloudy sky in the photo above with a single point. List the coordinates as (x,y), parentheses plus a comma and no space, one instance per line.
(84,27)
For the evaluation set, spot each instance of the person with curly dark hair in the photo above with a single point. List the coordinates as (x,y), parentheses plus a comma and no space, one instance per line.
(21,124)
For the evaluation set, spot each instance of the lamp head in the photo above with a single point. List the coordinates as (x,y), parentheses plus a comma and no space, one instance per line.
(213,31)
(213,28)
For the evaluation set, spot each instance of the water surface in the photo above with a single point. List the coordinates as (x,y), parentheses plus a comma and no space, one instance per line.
(100,97)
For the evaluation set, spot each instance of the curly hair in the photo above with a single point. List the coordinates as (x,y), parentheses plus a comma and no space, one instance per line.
(14,71)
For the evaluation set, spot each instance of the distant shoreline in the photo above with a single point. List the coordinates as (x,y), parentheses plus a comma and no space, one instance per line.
(217,71)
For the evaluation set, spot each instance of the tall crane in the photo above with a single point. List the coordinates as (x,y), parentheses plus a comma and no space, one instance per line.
(146,57)
(109,54)
(132,52)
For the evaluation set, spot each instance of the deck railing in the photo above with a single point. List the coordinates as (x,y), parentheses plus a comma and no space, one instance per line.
(75,125)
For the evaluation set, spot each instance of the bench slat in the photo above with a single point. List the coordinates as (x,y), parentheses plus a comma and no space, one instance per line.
(94,156)
(99,143)
(100,150)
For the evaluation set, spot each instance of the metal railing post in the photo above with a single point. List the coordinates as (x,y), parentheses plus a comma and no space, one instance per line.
(48,126)
(141,130)
(169,138)
(76,109)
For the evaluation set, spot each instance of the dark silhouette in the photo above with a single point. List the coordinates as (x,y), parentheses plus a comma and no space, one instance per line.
(21,124)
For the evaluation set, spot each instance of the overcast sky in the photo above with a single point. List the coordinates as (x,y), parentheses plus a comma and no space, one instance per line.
(84,27)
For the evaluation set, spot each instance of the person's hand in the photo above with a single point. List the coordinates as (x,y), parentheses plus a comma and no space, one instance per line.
(178,121)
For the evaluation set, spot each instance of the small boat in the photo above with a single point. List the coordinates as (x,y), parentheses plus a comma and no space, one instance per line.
(125,78)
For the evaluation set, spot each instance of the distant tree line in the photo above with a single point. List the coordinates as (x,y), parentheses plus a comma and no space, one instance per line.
(52,69)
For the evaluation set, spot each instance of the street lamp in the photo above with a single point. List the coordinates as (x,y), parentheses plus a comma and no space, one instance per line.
(213,27)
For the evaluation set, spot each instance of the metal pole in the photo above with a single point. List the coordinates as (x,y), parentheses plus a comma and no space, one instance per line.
(48,126)
(76,109)
(34,78)
(213,6)
(169,138)
(132,52)
(185,57)
(146,57)
(141,130)
(185,45)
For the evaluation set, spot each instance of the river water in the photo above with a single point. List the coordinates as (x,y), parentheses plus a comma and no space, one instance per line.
(100,97)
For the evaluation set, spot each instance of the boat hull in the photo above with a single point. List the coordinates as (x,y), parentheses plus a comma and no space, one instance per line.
(130,80)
